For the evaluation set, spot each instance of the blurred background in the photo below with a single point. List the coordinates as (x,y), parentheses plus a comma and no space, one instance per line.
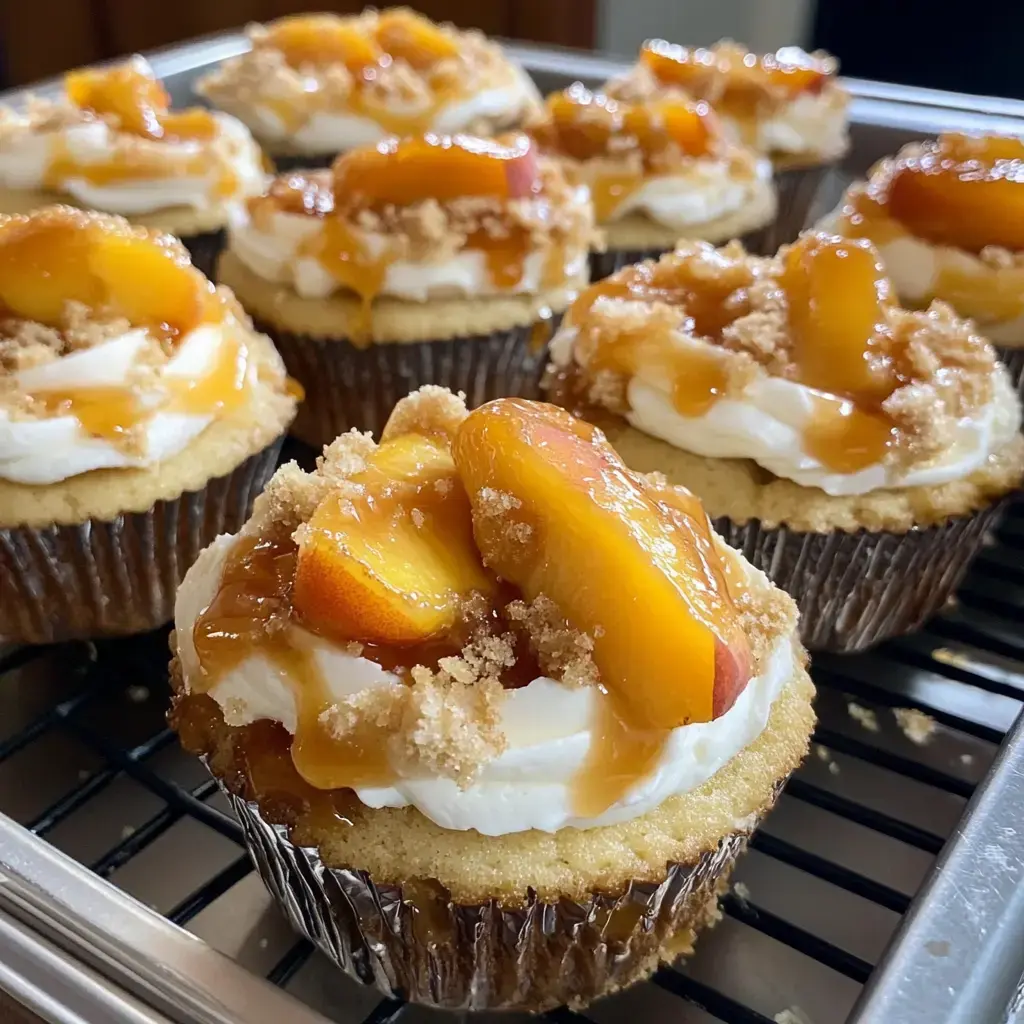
(974,49)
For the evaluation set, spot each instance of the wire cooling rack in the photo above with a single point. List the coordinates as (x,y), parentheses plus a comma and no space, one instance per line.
(88,764)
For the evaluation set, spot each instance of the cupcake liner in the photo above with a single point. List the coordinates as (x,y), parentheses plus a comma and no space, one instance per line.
(308,162)
(856,589)
(1012,357)
(604,264)
(350,387)
(117,577)
(413,942)
(204,249)
(797,189)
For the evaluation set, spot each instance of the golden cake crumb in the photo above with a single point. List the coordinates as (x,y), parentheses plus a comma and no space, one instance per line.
(864,717)
(918,727)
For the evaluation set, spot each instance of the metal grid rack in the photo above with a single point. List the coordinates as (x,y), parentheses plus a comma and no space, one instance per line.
(89,767)
(88,764)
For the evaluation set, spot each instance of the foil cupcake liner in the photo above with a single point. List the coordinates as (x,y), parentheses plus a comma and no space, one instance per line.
(1012,357)
(116,577)
(204,249)
(413,942)
(348,387)
(855,590)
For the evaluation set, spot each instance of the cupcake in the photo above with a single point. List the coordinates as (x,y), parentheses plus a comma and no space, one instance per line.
(657,171)
(787,105)
(945,217)
(855,451)
(434,260)
(139,417)
(448,710)
(313,86)
(112,143)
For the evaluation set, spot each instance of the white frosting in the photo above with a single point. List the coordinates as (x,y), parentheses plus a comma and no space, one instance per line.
(329,131)
(276,255)
(704,193)
(26,155)
(44,451)
(808,124)
(547,725)
(767,424)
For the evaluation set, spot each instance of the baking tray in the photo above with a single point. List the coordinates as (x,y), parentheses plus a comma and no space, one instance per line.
(885,887)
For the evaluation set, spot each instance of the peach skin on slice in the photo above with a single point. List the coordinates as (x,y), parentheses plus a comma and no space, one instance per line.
(619,564)
(391,566)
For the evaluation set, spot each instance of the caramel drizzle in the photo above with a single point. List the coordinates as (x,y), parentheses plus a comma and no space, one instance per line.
(111,413)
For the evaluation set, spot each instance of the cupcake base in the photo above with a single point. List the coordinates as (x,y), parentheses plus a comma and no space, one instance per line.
(348,386)
(855,590)
(119,576)
(414,942)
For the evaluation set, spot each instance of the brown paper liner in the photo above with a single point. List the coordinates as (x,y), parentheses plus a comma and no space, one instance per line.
(856,589)
(411,941)
(350,387)
(302,163)
(101,578)
(204,249)
(797,189)
(1012,357)
(604,264)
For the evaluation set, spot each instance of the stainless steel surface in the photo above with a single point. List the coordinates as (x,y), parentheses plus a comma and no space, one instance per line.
(817,900)
(965,935)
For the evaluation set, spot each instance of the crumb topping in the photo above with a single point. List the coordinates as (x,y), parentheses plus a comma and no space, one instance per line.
(301,83)
(731,307)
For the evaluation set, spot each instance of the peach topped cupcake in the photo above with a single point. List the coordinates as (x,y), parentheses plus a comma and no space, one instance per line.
(788,105)
(495,691)
(431,260)
(139,416)
(822,424)
(947,217)
(656,171)
(313,86)
(111,143)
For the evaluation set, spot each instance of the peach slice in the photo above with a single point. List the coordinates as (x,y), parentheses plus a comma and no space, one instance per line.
(640,577)
(320,40)
(408,36)
(441,167)
(963,192)
(393,565)
(837,290)
(128,91)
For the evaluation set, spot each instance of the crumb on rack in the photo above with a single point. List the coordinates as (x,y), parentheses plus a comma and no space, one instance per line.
(967,759)
(864,717)
(792,1015)
(741,891)
(918,727)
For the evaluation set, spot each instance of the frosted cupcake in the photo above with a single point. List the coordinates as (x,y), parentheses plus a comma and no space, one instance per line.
(496,714)
(139,417)
(947,217)
(856,451)
(787,105)
(434,260)
(657,171)
(313,86)
(111,143)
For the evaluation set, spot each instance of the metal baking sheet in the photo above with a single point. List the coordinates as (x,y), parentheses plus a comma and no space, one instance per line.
(815,925)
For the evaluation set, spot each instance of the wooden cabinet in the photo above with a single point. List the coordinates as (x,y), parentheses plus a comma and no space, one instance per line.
(45,37)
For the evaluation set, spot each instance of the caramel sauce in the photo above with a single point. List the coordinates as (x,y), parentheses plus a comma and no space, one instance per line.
(609,191)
